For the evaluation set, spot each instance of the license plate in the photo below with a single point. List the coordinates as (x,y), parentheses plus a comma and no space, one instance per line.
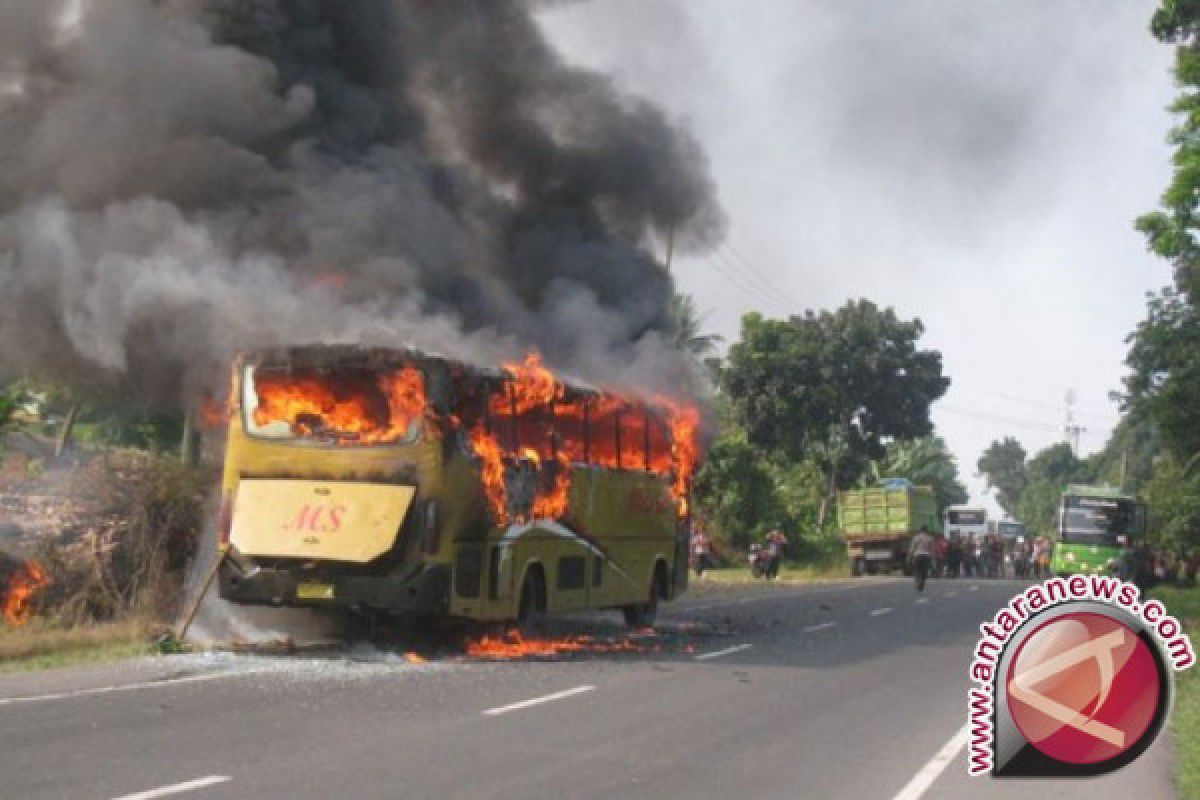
(879,555)
(314,591)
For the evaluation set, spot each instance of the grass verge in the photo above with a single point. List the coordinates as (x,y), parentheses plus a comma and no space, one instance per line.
(41,644)
(806,573)
(1184,604)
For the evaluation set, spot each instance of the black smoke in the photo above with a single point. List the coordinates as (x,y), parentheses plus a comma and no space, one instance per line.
(186,178)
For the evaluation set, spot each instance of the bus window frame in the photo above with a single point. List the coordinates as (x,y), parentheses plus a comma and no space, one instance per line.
(416,433)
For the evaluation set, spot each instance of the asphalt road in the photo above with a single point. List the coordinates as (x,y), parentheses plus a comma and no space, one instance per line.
(846,690)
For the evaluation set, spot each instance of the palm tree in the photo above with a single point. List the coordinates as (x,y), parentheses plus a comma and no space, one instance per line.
(926,462)
(687,328)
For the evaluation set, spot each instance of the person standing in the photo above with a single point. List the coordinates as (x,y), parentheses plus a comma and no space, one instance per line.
(920,553)
(776,542)
(941,553)
(954,556)
(701,552)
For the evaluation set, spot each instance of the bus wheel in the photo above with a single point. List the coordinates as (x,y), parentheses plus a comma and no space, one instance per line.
(533,602)
(641,615)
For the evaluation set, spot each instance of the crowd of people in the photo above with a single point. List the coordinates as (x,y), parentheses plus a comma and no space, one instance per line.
(972,556)
(988,556)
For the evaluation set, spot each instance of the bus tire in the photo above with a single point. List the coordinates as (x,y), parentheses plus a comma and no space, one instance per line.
(532,604)
(641,615)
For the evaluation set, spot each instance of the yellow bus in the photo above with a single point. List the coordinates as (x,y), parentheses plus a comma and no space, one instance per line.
(391,481)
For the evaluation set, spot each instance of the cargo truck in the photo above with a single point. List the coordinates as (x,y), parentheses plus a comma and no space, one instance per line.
(878,523)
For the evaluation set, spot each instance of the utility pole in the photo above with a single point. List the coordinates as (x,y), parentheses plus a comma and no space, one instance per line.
(1071,429)
(670,247)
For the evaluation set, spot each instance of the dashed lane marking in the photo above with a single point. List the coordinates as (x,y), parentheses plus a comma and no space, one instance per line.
(537,701)
(737,648)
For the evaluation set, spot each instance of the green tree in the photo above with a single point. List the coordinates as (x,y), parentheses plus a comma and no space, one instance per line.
(926,462)
(1171,231)
(1164,378)
(688,337)
(836,385)
(1003,466)
(1173,497)
(738,491)
(1049,472)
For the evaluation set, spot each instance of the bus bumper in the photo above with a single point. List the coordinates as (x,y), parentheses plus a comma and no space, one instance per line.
(424,593)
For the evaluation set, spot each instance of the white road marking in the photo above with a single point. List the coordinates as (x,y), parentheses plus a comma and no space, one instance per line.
(537,701)
(879,612)
(974,587)
(176,788)
(737,648)
(953,593)
(922,601)
(929,773)
(127,687)
(821,627)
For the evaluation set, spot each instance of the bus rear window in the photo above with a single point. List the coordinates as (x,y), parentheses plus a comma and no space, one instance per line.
(348,406)
(966,517)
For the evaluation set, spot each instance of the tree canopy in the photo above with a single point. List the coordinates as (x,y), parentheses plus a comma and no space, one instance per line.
(826,381)
(1003,466)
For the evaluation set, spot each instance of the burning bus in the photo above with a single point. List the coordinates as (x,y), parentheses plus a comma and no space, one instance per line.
(392,481)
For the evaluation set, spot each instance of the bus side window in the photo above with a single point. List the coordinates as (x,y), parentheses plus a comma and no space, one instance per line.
(658,444)
(604,432)
(633,439)
(570,431)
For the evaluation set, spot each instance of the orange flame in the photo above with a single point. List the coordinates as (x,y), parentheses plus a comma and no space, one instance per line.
(513,645)
(358,410)
(530,387)
(685,448)
(19,594)
(212,414)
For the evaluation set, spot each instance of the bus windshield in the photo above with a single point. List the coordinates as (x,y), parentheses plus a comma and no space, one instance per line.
(1101,520)
(966,517)
(344,405)
(1010,529)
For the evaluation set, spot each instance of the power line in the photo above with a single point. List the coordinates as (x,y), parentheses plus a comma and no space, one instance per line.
(735,255)
(747,290)
(1041,405)
(1043,427)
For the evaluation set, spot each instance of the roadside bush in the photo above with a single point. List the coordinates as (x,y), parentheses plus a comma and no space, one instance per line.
(134,563)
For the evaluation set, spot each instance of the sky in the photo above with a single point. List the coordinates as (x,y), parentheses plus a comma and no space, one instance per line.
(977,165)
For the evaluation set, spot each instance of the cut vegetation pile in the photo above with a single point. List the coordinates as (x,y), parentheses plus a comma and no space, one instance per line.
(113,534)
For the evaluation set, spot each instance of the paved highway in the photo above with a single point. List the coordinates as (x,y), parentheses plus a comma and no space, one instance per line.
(852,690)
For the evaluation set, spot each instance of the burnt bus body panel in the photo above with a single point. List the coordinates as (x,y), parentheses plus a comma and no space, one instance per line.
(448,557)
(423,592)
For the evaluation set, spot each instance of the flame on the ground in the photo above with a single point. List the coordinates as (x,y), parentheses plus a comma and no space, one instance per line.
(513,645)
(365,412)
(23,585)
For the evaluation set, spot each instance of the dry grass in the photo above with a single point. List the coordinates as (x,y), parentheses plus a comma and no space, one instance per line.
(43,644)
(787,575)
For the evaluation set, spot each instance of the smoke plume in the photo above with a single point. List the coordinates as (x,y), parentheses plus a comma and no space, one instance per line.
(181,179)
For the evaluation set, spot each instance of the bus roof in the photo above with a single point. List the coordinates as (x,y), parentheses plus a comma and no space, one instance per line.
(316,356)
(1109,492)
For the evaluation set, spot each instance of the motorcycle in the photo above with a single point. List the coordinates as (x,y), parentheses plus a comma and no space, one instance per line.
(760,561)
